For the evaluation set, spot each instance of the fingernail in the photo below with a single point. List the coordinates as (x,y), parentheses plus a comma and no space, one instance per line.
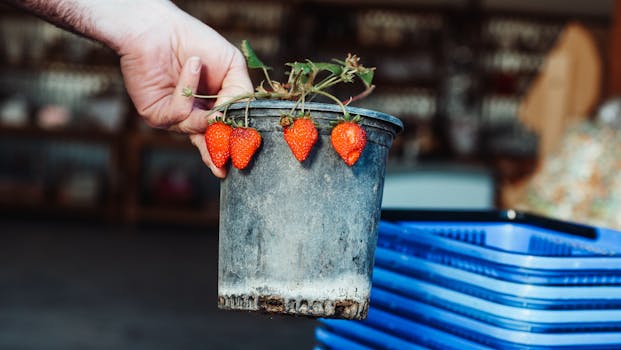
(195,65)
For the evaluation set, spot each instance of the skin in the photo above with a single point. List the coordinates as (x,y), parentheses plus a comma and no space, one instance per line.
(162,50)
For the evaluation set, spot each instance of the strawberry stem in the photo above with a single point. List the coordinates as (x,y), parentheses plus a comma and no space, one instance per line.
(295,106)
(187,92)
(267,76)
(329,81)
(323,93)
(205,96)
(224,105)
(246,114)
(361,95)
(226,109)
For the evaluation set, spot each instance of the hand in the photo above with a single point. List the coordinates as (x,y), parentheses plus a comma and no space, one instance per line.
(163,51)
(176,52)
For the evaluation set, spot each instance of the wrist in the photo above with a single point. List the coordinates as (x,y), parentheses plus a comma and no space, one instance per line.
(119,23)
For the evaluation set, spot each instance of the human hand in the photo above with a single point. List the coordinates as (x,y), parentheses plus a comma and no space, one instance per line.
(161,59)
(163,51)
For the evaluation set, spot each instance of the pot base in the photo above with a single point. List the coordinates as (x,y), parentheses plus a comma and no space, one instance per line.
(275,304)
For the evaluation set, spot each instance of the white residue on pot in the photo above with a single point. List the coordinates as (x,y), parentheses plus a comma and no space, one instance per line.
(346,287)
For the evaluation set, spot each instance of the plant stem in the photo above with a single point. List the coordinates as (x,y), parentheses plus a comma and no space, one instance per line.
(290,80)
(206,96)
(294,83)
(361,95)
(246,114)
(267,76)
(226,109)
(323,93)
(223,105)
(329,81)
(297,103)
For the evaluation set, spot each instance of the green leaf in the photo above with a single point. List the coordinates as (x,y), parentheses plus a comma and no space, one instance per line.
(251,57)
(301,67)
(330,67)
(301,71)
(366,75)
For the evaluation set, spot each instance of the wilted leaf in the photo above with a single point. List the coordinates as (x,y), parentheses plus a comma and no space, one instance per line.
(251,57)
(366,75)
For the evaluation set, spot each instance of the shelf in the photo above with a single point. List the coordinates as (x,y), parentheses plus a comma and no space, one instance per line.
(159,138)
(207,216)
(111,70)
(65,134)
(559,17)
(48,208)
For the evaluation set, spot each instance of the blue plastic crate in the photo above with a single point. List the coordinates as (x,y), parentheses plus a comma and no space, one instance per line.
(482,280)
(371,337)
(514,252)
(334,341)
(497,290)
(418,332)
(382,330)
(489,334)
(510,317)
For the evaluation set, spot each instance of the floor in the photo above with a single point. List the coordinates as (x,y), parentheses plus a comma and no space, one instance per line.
(71,285)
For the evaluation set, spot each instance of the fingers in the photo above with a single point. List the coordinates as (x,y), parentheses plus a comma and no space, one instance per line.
(198,140)
(237,81)
(181,106)
(195,123)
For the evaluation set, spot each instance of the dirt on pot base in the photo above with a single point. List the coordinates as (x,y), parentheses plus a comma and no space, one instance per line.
(274,304)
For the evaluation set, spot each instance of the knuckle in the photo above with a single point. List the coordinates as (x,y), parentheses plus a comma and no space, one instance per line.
(176,115)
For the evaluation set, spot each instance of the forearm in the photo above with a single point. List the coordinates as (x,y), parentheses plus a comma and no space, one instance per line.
(107,21)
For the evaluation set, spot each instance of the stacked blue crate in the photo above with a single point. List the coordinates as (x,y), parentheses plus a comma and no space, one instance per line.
(515,281)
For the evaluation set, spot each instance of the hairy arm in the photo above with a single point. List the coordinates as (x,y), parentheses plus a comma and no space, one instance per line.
(112,22)
(69,15)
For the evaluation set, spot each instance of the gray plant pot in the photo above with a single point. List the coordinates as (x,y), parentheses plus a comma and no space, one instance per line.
(299,238)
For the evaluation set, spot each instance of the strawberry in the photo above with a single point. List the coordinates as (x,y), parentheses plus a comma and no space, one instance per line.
(217,138)
(244,143)
(349,139)
(300,134)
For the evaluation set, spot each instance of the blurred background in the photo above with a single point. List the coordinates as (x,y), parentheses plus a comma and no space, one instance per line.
(109,228)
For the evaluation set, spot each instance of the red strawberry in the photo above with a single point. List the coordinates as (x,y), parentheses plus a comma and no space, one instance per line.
(217,138)
(244,143)
(349,139)
(301,136)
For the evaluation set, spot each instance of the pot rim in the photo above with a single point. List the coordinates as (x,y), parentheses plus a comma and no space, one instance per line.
(323,107)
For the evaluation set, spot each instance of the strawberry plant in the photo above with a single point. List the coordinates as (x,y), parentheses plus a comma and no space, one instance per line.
(306,81)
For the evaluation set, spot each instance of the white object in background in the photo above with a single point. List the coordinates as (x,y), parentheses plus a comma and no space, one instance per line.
(53,117)
(14,112)
(610,113)
(107,112)
(439,188)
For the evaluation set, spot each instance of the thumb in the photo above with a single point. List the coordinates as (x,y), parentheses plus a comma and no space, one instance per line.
(235,83)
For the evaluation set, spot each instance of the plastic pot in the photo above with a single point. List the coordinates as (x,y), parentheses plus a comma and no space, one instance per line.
(299,238)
